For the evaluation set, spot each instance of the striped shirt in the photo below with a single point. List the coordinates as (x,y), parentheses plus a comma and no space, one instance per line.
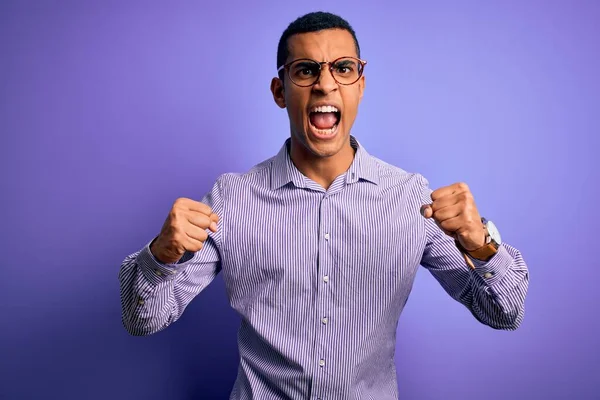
(320,277)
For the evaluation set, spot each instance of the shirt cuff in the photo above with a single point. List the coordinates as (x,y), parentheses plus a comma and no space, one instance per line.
(155,271)
(493,270)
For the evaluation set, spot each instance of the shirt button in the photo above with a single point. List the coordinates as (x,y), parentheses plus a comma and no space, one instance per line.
(140,302)
(326,278)
(324,320)
(327,236)
(321,363)
(488,275)
(158,272)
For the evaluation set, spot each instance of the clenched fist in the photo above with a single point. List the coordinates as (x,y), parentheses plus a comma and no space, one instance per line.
(184,230)
(453,210)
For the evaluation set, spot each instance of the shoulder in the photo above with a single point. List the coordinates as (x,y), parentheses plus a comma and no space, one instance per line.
(392,176)
(257,175)
(407,189)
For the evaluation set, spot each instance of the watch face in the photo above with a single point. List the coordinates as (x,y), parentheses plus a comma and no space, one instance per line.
(493,231)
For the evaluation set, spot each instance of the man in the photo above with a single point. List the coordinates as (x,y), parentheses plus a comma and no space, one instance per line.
(319,245)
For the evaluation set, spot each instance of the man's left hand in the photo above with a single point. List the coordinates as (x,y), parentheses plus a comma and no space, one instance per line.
(453,210)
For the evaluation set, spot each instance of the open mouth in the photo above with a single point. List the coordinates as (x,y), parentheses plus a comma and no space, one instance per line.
(324,120)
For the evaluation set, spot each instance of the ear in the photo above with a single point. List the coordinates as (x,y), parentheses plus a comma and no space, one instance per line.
(278,92)
(361,86)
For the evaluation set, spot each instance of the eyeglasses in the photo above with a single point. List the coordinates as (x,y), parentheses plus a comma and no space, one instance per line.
(305,72)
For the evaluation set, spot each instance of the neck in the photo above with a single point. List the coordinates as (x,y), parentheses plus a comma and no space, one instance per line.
(322,170)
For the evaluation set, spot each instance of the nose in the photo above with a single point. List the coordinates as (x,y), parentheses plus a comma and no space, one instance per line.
(326,84)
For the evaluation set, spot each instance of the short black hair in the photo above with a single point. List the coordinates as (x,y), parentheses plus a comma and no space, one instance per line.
(312,22)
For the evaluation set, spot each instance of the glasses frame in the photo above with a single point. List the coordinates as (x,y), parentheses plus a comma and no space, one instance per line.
(286,67)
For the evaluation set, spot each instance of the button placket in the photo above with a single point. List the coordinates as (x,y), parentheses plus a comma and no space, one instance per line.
(323,289)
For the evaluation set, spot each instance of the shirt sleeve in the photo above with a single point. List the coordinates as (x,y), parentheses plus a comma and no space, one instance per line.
(153,294)
(494,292)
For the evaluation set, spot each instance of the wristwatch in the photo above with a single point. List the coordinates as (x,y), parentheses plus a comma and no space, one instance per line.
(493,241)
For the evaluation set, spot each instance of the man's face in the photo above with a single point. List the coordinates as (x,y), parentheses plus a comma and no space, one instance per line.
(320,134)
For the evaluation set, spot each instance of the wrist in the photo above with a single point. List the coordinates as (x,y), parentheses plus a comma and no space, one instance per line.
(490,247)
(480,242)
(160,254)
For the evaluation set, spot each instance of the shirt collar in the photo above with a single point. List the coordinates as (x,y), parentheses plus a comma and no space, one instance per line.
(283,170)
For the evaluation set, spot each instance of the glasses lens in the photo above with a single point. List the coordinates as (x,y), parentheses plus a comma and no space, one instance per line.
(304,72)
(347,70)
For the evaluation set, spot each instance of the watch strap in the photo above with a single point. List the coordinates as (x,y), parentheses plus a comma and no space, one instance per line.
(485,252)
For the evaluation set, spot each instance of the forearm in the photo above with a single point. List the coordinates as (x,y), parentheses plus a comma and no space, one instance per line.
(147,295)
(154,295)
(497,290)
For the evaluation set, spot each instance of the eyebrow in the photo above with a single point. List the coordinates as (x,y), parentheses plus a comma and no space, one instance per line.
(306,62)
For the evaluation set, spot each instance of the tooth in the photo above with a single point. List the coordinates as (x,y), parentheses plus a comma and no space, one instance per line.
(324,109)
(325,131)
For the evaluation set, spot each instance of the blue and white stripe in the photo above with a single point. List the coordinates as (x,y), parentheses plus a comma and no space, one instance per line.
(320,277)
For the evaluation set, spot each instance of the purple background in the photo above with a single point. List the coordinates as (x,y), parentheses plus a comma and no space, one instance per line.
(109,112)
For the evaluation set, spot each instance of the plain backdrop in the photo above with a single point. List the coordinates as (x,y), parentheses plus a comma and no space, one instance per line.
(109,111)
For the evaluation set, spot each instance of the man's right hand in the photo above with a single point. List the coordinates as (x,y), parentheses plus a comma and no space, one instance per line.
(184,230)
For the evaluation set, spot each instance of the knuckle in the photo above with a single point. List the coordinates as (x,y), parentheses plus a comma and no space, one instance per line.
(170,226)
(463,220)
(176,239)
(174,213)
(174,224)
(179,202)
(203,221)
